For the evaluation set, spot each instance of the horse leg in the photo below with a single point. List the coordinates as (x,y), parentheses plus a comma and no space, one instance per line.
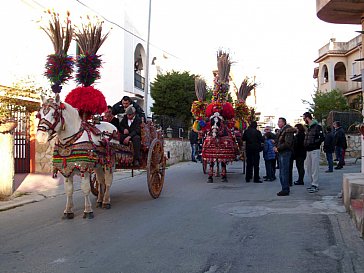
(86,189)
(223,172)
(108,177)
(211,173)
(68,187)
(101,179)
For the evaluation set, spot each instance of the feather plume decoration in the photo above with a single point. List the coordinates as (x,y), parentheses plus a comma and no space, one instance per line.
(89,38)
(245,88)
(59,66)
(223,66)
(200,89)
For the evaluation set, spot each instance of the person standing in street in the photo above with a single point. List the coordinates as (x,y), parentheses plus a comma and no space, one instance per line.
(340,144)
(329,148)
(193,141)
(299,153)
(254,144)
(269,156)
(284,148)
(313,139)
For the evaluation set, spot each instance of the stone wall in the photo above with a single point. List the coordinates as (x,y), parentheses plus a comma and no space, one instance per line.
(354,146)
(177,150)
(43,157)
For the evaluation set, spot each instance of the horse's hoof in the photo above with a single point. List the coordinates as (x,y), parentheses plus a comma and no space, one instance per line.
(98,204)
(106,206)
(68,215)
(88,215)
(209,180)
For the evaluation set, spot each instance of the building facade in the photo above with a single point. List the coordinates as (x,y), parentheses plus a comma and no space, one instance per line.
(339,67)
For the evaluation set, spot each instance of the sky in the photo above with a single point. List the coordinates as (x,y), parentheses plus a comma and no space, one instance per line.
(276,41)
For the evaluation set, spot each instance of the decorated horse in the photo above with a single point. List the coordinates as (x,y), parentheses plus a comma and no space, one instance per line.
(80,148)
(220,124)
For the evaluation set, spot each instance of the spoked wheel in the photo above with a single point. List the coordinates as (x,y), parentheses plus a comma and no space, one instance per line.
(94,184)
(156,167)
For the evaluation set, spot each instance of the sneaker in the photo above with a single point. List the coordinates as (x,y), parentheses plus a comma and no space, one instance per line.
(313,189)
(308,188)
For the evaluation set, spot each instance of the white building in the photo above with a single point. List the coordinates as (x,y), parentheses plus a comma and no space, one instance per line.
(25,46)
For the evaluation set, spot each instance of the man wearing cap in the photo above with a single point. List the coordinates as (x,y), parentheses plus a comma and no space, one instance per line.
(130,131)
(120,107)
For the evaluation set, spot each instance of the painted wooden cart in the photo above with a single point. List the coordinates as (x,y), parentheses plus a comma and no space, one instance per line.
(152,158)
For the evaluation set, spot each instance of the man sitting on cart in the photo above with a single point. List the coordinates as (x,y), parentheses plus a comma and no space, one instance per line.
(130,131)
(120,107)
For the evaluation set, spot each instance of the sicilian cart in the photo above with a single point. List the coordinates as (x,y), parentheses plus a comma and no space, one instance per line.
(152,158)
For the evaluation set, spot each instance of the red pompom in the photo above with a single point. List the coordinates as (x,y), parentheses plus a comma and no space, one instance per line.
(225,109)
(87,100)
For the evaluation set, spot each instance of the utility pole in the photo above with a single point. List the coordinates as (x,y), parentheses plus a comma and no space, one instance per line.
(146,84)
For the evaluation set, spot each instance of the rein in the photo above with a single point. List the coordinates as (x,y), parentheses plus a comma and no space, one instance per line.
(44,125)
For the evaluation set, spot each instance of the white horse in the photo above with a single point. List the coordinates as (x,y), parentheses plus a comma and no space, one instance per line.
(78,151)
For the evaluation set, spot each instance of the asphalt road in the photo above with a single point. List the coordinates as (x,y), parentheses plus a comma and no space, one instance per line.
(194,227)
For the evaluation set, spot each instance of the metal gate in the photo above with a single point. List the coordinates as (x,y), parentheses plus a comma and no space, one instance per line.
(22,142)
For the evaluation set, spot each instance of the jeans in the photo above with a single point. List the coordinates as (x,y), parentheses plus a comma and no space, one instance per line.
(330,161)
(270,167)
(340,156)
(193,152)
(284,159)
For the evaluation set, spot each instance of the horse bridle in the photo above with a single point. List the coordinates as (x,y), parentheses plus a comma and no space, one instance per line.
(44,125)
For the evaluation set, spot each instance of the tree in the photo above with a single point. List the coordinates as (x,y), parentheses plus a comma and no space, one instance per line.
(173,94)
(324,102)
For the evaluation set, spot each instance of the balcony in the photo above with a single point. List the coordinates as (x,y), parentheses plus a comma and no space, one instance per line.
(139,81)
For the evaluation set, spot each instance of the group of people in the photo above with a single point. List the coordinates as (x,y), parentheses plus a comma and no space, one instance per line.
(293,144)
(127,116)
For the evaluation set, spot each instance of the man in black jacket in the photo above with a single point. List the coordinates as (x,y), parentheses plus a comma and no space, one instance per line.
(130,131)
(340,144)
(120,107)
(313,139)
(254,145)
(329,148)
(284,148)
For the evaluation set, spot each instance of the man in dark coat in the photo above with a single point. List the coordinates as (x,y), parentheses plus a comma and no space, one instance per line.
(193,141)
(254,145)
(340,144)
(284,148)
(120,107)
(329,149)
(130,131)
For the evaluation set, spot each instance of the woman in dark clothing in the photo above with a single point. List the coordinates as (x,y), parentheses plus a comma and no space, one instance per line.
(299,153)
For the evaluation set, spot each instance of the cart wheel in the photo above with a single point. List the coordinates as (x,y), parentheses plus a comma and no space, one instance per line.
(156,166)
(204,166)
(94,184)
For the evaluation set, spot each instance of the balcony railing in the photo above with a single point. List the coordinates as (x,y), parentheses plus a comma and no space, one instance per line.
(139,81)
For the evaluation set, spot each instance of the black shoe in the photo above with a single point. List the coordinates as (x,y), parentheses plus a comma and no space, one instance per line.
(247,180)
(298,183)
(338,167)
(209,179)
(265,177)
(194,160)
(258,181)
(328,171)
(224,179)
(282,193)
(290,184)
